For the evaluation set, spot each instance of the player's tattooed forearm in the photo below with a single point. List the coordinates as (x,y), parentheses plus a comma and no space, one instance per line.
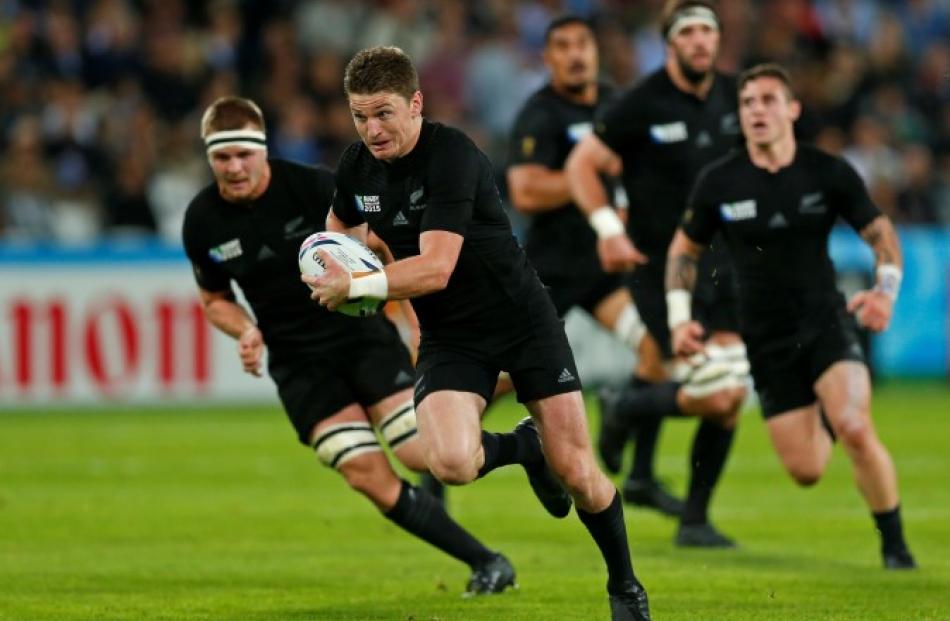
(681,272)
(882,238)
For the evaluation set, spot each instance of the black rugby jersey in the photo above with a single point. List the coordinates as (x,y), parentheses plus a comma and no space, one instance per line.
(256,245)
(776,226)
(559,241)
(445,183)
(664,137)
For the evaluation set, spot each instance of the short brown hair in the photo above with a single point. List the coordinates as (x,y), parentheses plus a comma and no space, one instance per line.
(231,112)
(767,70)
(672,7)
(381,69)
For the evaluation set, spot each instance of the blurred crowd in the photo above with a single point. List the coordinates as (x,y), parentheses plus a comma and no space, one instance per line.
(100,100)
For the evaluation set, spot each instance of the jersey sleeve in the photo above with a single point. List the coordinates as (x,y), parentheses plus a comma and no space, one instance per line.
(208,274)
(452,178)
(851,197)
(534,138)
(701,217)
(324,189)
(344,201)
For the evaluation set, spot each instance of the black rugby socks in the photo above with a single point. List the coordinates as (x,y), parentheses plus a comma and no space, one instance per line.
(642,399)
(891,529)
(610,534)
(504,449)
(711,446)
(422,515)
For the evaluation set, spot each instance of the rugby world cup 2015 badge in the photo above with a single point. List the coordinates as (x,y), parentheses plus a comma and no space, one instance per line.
(226,251)
(368,204)
(740,210)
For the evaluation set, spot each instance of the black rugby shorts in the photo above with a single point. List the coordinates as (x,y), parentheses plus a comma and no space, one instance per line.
(362,369)
(785,369)
(584,289)
(529,344)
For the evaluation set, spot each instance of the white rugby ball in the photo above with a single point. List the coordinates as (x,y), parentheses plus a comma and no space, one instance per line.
(353,255)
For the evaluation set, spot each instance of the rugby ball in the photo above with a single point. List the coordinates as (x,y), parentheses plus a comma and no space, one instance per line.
(353,255)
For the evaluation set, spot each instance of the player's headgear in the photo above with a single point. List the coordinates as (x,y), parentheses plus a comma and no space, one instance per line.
(226,124)
(678,14)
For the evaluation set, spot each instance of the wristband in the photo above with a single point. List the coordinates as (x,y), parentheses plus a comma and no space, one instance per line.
(678,307)
(606,222)
(889,280)
(373,285)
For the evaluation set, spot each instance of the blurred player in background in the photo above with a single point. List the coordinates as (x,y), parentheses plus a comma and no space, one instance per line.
(337,376)
(681,117)
(776,201)
(559,243)
(428,192)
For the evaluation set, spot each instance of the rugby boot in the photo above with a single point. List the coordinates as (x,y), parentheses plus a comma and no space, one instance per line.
(547,488)
(702,535)
(899,559)
(630,605)
(493,576)
(613,434)
(650,493)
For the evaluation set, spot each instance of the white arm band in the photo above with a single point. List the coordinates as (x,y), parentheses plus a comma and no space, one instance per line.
(606,222)
(679,304)
(373,285)
(889,278)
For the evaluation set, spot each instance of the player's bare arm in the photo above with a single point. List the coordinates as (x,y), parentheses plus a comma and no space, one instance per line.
(535,188)
(427,272)
(227,315)
(875,307)
(681,269)
(588,160)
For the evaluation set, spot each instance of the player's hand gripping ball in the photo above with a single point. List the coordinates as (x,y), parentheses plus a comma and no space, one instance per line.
(353,255)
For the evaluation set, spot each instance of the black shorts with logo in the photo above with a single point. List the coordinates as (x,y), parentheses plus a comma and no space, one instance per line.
(714,300)
(785,369)
(584,290)
(364,368)
(529,344)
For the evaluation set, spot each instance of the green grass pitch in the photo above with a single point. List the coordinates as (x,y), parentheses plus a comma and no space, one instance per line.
(217,514)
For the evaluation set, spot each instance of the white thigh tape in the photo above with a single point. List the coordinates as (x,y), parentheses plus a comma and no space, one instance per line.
(339,443)
(399,425)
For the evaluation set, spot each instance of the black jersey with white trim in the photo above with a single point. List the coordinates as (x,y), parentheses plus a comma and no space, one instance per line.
(776,226)
(664,137)
(445,183)
(558,241)
(256,244)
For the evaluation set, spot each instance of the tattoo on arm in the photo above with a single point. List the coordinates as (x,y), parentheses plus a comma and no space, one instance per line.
(681,272)
(882,238)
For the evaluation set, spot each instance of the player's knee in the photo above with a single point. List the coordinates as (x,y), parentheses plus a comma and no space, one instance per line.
(362,475)
(805,474)
(452,468)
(854,431)
(721,404)
(574,472)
